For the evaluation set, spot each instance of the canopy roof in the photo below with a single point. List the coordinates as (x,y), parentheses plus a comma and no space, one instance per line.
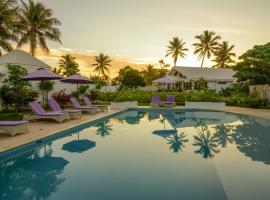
(195,73)
(164,79)
(20,57)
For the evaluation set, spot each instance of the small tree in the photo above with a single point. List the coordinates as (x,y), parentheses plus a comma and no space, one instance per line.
(16,91)
(132,78)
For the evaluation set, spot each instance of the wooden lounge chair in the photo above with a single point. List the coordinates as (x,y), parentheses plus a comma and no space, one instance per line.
(170,102)
(14,127)
(40,113)
(76,105)
(88,103)
(155,101)
(56,107)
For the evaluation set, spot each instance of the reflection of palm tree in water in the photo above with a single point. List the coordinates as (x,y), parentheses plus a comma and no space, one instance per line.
(208,143)
(177,141)
(104,129)
(223,134)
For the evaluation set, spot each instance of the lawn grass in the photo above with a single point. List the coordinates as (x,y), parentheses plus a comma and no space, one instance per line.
(11,116)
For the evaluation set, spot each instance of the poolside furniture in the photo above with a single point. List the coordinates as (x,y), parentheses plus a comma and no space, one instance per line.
(155,101)
(170,102)
(14,127)
(88,103)
(87,109)
(56,107)
(40,113)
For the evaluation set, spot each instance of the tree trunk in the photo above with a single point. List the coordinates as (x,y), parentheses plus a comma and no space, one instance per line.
(202,61)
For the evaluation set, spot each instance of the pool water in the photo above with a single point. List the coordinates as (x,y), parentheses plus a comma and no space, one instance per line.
(147,155)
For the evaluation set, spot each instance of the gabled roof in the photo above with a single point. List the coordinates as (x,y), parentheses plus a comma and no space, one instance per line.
(22,58)
(205,73)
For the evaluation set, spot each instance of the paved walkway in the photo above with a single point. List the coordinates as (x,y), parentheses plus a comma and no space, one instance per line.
(38,130)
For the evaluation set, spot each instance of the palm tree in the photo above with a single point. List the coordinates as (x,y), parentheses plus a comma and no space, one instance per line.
(8,25)
(101,66)
(223,55)
(37,24)
(68,65)
(57,70)
(176,49)
(149,74)
(207,45)
(177,141)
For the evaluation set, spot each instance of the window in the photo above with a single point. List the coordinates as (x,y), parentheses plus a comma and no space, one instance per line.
(222,82)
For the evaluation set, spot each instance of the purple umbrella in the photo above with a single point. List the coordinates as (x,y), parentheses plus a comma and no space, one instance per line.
(77,79)
(41,75)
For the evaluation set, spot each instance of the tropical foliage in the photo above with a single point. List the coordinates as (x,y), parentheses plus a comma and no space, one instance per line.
(67,65)
(15,91)
(8,24)
(176,49)
(149,74)
(224,55)
(207,45)
(37,25)
(102,64)
(254,65)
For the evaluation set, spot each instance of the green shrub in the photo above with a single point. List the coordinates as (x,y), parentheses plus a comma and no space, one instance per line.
(244,100)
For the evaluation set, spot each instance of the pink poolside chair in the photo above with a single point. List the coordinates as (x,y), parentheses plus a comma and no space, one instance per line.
(76,105)
(56,107)
(170,102)
(14,127)
(155,101)
(40,113)
(88,103)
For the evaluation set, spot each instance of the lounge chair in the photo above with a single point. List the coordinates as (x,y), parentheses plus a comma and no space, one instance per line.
(155,101)
(76,105)
(88,103)
(170,102)
(40,113)
(56,107)
(14,127)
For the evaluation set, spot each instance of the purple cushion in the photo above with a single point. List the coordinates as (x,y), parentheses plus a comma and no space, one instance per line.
(12,123)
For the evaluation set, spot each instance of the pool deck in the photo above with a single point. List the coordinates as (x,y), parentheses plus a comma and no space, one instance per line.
(41,129)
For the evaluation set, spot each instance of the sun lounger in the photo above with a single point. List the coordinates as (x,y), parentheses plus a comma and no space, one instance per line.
(155,101)
(14,127)
(170,102)
(88,103)
(76,105)
(56,107)
(40,113)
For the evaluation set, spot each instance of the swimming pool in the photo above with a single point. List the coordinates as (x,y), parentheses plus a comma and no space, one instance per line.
(146,154)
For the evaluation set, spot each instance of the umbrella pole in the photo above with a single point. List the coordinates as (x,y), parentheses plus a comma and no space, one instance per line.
(42,94)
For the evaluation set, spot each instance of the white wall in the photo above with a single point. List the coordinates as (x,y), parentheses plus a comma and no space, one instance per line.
(213,85)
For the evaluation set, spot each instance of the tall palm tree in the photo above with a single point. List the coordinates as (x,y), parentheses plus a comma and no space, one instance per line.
(102,62)
(207,45)
(68,65)
(223,56)
(37,25)
(149,74)
(8,25)
(176,49)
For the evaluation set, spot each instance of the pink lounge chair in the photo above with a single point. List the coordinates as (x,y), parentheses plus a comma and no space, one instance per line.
(88,103)
(170,102)
(56,107)
(14,127)
(76,105)
(40,113)
(155,101)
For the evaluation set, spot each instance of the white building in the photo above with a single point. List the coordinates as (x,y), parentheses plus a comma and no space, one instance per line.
(216,78)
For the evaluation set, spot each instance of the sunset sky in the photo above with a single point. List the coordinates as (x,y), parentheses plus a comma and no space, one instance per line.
(138,31)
